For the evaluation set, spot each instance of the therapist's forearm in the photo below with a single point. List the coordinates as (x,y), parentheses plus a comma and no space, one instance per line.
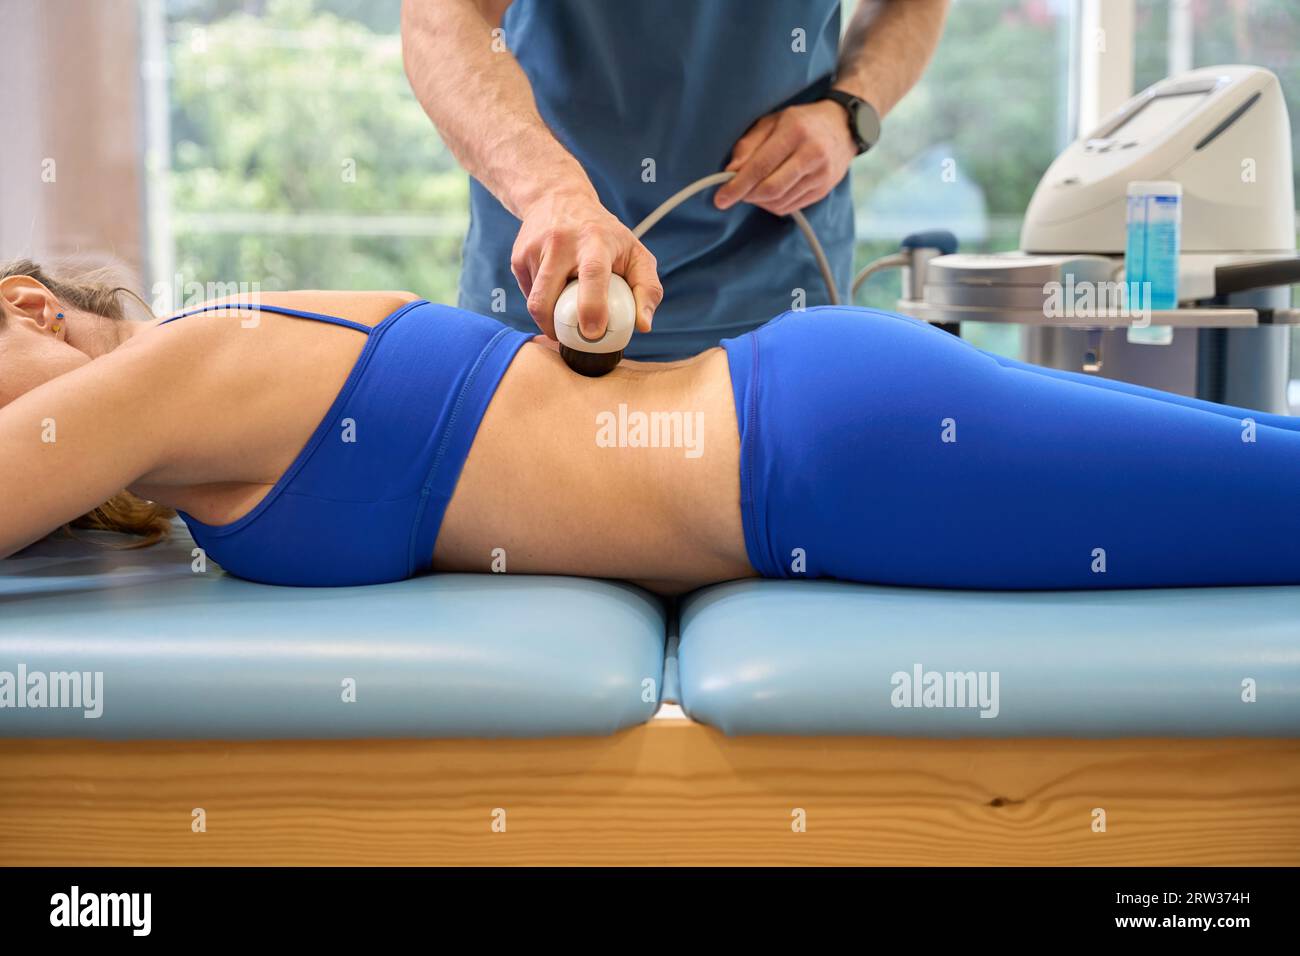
(886,48)
(477,95)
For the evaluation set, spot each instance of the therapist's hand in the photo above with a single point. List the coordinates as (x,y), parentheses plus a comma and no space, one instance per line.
(790,159)
(569,233)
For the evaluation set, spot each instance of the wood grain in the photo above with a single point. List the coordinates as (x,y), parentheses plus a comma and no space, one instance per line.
(669,792)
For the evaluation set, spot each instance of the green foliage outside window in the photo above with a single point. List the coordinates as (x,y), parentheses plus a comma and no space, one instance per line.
(301,159)
(300,108)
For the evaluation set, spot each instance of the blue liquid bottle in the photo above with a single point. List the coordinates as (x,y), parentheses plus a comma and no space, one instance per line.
(1151,251)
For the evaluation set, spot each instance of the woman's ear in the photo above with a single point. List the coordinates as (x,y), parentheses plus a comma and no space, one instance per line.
(25,297)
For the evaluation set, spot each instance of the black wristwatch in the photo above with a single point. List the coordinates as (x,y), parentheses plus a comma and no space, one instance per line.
(864,121)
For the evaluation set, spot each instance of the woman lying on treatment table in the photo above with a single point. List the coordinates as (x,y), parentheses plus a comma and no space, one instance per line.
(335,438)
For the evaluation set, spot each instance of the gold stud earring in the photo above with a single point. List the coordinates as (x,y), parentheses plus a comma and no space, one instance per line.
(56,328)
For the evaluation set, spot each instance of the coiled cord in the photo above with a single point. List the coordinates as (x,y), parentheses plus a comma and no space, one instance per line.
(717,179)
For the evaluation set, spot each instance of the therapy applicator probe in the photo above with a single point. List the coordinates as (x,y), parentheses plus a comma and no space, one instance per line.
(596,357)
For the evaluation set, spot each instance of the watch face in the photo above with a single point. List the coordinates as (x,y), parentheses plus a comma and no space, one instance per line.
(867,124)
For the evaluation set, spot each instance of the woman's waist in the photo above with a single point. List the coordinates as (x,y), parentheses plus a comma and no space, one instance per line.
(639,469)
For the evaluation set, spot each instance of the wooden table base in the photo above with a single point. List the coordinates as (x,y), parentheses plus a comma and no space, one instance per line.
(669,792)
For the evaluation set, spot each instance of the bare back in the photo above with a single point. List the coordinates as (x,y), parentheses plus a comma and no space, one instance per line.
(634,475)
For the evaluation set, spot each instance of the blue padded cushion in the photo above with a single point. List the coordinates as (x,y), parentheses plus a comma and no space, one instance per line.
(819,657)
(188,655)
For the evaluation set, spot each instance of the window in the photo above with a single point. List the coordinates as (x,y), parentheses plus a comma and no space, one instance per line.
(286,144)
(286,147)
(965,149)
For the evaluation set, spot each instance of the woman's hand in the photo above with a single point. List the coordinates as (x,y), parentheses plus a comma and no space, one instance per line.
(790,159)
(570,233)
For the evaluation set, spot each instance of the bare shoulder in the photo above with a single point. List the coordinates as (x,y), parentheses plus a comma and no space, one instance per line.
(223,359)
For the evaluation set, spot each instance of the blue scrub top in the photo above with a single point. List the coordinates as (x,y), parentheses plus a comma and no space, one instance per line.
(676,82)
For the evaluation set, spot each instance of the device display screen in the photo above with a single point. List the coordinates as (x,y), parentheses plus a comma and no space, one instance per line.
(1160,113)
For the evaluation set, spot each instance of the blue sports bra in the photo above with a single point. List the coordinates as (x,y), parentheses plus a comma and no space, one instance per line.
(363,501)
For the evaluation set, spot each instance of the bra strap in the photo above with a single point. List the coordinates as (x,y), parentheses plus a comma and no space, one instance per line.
(279,310)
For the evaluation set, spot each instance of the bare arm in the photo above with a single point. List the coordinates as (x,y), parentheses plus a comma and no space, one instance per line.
(886,48)
(74,442)
(477,95)
(209,411)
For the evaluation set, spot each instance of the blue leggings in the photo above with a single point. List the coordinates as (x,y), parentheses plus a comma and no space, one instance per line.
(877,448)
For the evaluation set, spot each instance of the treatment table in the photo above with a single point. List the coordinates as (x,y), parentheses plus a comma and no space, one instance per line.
(504,719)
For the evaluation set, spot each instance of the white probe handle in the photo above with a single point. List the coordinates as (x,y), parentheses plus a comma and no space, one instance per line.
(622,318)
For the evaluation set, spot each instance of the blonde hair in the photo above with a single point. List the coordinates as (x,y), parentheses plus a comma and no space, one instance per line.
(94,292)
